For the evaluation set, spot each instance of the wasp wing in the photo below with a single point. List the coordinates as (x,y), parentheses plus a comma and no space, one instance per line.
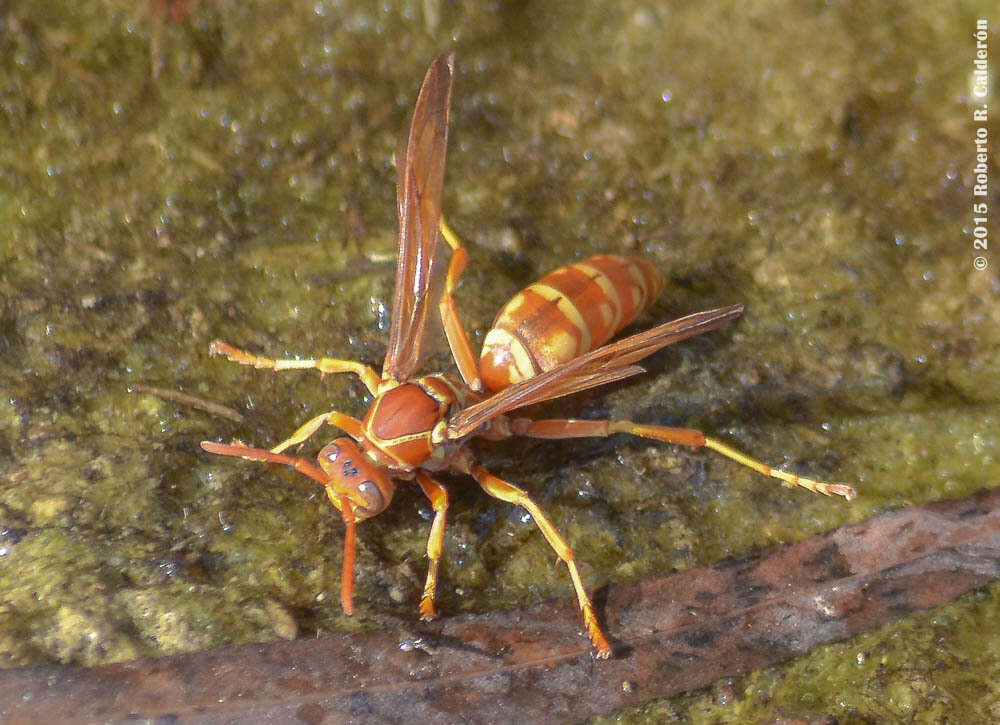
(603,365)
(420,177)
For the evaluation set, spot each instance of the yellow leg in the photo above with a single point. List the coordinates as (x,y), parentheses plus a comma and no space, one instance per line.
(680,436)
(458,339)
(792,479)
(504,491)
(438,496)
(325,365)
(351,426)
(449,234)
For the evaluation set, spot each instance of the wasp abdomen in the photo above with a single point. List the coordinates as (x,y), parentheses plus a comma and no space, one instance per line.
(565,314)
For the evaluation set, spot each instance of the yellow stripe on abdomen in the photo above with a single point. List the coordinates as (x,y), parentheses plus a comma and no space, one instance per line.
(564,315)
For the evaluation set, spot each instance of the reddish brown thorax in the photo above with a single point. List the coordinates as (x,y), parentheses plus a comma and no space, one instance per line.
(399,427)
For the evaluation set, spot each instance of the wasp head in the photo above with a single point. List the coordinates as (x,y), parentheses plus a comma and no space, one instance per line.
(363,484)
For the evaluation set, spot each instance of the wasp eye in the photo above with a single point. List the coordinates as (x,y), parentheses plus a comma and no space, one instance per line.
(331,452)
(374,501)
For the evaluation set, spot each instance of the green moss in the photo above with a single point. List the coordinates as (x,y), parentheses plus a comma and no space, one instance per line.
(924,669)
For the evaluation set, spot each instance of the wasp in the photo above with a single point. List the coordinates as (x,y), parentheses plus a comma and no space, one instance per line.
(547,342)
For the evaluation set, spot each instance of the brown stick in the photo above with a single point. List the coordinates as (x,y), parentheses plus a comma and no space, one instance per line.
(175,396)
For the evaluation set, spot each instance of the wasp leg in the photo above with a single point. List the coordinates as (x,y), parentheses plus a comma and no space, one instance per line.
(438,496)
(351,426)
(680,436)
(325,365)
(498,488)
(458,339)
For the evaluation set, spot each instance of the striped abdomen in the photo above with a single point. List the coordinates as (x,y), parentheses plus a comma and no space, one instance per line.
(565,314)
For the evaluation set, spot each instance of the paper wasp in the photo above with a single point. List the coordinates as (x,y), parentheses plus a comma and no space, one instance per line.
(547,342)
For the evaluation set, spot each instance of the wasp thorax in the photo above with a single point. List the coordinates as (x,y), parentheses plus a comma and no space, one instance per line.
(366,485)
(402,412)
(399,425)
